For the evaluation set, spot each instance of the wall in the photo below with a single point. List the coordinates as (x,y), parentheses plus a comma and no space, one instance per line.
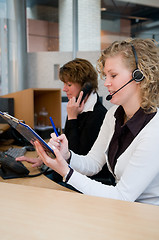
(42,67)
(42,36)
(43,63)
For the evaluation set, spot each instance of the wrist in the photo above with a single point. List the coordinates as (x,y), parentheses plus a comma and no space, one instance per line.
(72,117)
(68,174)
(68,157)
(65,171)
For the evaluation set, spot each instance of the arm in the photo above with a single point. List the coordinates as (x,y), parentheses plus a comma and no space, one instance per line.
(93,162)
(36,162)
(137,171)
(60,143)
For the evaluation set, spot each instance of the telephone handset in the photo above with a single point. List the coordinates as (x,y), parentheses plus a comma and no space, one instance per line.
(10,168)
(87,89)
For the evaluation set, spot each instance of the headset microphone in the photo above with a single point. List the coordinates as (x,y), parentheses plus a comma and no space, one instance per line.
(109,97)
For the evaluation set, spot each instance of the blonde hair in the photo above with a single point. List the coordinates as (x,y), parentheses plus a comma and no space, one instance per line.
(148,62)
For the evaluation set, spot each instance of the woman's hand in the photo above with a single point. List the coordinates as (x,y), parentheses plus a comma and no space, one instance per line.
(58,164)
(74,107)
(36,162)
(61,143)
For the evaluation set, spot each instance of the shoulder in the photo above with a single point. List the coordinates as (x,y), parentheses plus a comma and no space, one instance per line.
(150,133)
(155,119)
(154,122)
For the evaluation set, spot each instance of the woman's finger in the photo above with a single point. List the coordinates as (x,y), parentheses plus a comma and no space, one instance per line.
(41,152)
(80,97)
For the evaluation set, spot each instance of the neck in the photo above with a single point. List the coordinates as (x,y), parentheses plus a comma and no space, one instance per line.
(127,118)
(133,101)
(129,112)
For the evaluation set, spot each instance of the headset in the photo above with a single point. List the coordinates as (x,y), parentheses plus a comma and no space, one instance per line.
(136,74)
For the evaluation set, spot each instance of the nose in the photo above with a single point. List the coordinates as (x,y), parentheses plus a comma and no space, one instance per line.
(65,88)
(107,82)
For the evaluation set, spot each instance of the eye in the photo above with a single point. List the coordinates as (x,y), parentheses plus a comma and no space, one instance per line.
(113,75)
(69,84)
(104,76)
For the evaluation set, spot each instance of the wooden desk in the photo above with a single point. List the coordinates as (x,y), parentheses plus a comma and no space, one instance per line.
(4,127)
(39,213)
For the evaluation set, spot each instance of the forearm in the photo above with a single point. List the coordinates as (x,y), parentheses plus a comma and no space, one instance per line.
(90,187)
(88,165)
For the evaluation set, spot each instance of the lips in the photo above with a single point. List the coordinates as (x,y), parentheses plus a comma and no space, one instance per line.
(68,95)
(111,92)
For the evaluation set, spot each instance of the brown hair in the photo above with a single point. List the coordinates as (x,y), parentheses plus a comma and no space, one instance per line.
(79,71)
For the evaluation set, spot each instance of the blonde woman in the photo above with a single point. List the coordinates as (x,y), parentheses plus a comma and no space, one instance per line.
(129,137)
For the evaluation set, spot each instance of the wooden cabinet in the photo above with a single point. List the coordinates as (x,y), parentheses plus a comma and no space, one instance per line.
(30,101)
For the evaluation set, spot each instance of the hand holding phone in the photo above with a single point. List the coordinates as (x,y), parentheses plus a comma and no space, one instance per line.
(74,106)
(87,88)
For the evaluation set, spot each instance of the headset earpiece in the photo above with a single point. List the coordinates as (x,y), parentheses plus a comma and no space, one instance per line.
(136,74)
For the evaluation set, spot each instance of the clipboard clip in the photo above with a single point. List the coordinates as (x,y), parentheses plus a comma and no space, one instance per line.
(12,118)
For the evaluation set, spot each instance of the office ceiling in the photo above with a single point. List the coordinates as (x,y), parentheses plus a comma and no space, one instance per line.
(115,9)
(127,10)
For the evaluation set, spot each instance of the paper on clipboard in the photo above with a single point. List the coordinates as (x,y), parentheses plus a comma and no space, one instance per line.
(27,132)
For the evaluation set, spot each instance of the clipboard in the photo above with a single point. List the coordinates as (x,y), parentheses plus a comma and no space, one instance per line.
(27,132)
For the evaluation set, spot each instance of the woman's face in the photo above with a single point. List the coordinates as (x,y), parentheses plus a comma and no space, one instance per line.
(72,89)
(117,74)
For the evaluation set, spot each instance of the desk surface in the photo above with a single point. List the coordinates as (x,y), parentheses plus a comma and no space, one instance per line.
(4,127)
(39,213)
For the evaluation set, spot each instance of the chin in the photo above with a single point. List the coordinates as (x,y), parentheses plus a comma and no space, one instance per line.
(115,101)
(69,97)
